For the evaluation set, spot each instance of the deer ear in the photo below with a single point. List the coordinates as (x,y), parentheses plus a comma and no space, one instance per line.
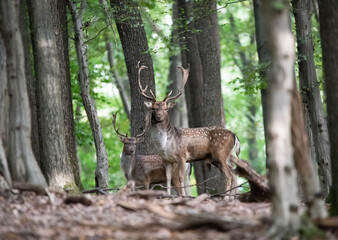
(148,104)
(170,105)
(123,139)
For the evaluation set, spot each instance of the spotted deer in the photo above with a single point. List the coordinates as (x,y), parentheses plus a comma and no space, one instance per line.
(180,145)
(143,170)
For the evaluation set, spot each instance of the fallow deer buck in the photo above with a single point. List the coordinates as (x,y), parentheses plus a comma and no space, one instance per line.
(143,170)
(180,145)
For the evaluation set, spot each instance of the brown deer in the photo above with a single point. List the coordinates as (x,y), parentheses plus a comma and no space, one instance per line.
(180,145)
(143,170)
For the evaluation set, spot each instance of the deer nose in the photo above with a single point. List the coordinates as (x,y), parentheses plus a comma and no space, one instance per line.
(158,115)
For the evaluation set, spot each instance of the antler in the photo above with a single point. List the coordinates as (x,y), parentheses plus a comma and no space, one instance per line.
(114,120)
(143,90)
(185,75)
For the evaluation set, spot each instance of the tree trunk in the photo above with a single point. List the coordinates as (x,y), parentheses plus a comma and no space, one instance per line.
(328,16)
(264,57)
(282,174)
(59,15)
(135,48)
(309,88)
(4,97)
(117,80)
(55,163)
(208,40)
(304,165)
(246,67)
(178,115)
(4,112)
(31,89)
(194,87)
(22,163)
(101,173)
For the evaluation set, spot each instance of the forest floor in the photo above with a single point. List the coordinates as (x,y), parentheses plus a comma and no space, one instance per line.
(142,215)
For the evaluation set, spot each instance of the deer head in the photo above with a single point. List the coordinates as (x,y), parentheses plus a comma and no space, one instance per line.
(129,143)
(160,108)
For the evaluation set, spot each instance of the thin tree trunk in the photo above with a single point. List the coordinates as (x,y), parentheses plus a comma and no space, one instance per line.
(101,173)
(59,15)
(178,115)
(22,163)
(117,80)
(245,68)
(303,163)
(264,57)
(25,33)
(135,48)
(309,88)
(328,16)
(282,174)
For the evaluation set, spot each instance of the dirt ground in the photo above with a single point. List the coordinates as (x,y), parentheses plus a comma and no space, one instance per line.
(142,215)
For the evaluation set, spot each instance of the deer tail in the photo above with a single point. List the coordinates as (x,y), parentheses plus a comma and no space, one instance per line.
(237,146)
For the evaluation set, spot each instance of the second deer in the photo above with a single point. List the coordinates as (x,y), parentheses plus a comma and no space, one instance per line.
(180,145)
(143,170)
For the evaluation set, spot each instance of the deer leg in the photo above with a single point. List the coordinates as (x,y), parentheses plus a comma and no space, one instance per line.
(228,176)
(181,175)
(168,172)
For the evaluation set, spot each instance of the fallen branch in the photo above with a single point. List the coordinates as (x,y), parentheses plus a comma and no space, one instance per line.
(191,185)
(77,199)
(223,193)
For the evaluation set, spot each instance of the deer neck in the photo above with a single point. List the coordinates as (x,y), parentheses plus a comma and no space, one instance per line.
(127,164)
(163,133)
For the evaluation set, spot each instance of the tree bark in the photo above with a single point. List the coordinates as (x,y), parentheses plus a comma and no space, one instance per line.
(264,57)
(4,112)
(59,16)
(117,80)
(23,165)
(178,115)
(328,17)
(135,48)
(194,87)
(101,172)
(31,89)
(282,174)
(309,88)
(4,97)
(208,40)
(55,163)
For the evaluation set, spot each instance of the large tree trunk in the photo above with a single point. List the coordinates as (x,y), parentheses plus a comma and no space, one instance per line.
(309,88)
(135,48)
(264,57)
(328,16)
(282,174)
(4,112)
(59,15)
(101,173)
(208,41)
(31,89)
(55,163)
(4,96)
(194,87)
(22,163)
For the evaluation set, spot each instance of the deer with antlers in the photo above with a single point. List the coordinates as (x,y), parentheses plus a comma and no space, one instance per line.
(143,170)
(213,145)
